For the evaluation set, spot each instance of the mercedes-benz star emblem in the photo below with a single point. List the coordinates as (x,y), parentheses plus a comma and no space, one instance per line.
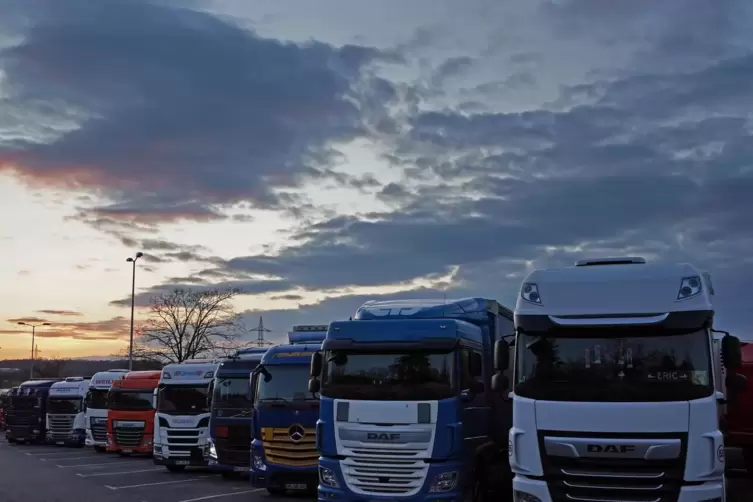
(296,432)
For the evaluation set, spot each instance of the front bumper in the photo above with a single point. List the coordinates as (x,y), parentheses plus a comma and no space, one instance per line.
(342,493)
(90,441)
(25,434)
(75,438)
(537,491)
(196,458)
(301,479)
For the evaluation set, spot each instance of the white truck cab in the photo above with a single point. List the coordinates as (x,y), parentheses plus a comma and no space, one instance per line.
(66,414)
(96,407)
(181,424)
(615,385)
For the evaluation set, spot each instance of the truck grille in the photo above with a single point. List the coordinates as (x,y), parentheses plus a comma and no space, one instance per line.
(128,437)
(181,442)
(293,446)
(383,471)
(235,449)
(98,429)
(613,479)
(60,426)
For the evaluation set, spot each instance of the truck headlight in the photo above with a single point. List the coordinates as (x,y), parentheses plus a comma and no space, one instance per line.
(444,482)
(212,449)
(327,477)
(259,464)
(519,496)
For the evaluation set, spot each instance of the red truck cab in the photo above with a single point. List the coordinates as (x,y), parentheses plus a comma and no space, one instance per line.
(130,412)
(740,412)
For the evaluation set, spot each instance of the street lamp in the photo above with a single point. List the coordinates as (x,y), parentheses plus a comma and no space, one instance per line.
(133,306)
(33,336)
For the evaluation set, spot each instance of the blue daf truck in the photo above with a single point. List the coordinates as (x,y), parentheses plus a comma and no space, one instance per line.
(230,407)
(284,451)
(414,402)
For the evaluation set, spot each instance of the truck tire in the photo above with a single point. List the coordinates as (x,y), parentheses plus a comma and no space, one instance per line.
(275,490)
(12,441)
(480,486)
(176,468)
(100,449)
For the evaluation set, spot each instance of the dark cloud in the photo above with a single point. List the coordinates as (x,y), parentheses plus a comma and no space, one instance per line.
(61,312)
(249,286)
(656,164)
(170,113)
(111,329)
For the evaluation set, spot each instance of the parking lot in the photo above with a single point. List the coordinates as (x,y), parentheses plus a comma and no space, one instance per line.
(36,473)
(46,473)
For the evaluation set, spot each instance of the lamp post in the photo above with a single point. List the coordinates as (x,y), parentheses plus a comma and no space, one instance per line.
(133,306)
(33,336)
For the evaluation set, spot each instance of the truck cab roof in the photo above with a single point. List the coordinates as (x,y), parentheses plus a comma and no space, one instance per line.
(475,310)
(193,372)
(138,380)
(297,353)
(102,380)
(615,287)
(440,334)
(70,388)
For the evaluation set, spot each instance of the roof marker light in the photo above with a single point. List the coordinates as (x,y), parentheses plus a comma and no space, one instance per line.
(689,287)
(530,293)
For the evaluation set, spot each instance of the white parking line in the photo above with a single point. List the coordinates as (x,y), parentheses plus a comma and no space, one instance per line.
(98,464)
(119,473)
(187,480)
(47,452)
(65,458)
(222,495)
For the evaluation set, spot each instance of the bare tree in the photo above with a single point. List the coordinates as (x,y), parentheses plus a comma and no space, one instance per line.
(184,324)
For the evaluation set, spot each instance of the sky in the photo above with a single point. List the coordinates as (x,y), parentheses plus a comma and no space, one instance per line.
(321,154)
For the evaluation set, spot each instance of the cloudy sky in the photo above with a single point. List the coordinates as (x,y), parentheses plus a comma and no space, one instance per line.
(318,154)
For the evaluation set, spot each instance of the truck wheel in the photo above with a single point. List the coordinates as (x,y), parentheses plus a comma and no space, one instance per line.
(276,490)
(12,441)
(176,468)
(100,449)
(480,488)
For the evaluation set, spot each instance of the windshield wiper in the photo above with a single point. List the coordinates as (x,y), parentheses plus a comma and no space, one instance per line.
(279,401)
(242,413)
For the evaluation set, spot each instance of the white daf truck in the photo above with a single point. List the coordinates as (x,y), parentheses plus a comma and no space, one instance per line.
(181,424)
(66,414)
(615,397)
(96,407)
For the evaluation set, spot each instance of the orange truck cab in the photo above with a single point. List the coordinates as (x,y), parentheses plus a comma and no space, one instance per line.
(130,412)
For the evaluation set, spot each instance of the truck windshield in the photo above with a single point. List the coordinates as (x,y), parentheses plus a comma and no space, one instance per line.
(58,405)
(183,399)
(97,399)
(134,400)
(673,367)
(25,402)
(415,375)
(232,392)
(284,383)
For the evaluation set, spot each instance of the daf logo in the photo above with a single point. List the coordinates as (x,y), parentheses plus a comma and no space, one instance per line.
(296,432)
(382,436)
(610,448)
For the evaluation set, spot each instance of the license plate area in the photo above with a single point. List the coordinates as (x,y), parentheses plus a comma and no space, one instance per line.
(241,469)
(295,486)
(182,462)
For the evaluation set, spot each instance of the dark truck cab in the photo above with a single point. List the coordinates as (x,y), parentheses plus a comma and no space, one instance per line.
(231,408)
(27,413)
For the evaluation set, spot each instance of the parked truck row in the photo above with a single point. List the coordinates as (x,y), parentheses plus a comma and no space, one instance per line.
(608,382)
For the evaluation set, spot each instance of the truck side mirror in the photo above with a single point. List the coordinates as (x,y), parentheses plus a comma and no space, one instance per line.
(500,383)
(251,386)
(316,365)
(736,383)
(501,355)
(314,385)
(731,352)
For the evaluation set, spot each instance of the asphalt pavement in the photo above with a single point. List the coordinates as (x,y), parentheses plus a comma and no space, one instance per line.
(37,473)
